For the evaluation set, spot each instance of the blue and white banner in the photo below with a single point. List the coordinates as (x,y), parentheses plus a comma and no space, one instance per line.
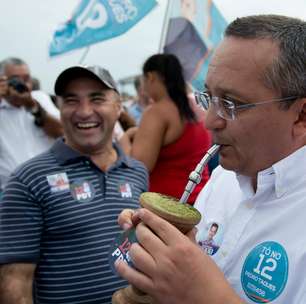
(97,20)
(194,29)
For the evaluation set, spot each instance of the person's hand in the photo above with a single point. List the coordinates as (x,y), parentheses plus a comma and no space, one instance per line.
(171,268)
(128,218)
(3,86)
(20,99)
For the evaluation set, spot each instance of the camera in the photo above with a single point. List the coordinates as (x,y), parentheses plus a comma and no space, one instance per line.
(18,85)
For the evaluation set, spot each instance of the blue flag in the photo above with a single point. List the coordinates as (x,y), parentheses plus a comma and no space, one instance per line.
(195,28)
(97,20)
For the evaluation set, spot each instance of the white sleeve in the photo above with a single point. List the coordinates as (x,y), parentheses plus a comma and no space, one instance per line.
(46,102)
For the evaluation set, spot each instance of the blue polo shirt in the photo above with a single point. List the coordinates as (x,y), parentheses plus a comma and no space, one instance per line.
(59,211)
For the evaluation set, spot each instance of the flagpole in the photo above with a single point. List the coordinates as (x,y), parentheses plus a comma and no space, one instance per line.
(84,55)
(165,27)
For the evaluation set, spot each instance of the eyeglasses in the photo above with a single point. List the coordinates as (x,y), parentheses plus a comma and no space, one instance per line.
(227,109)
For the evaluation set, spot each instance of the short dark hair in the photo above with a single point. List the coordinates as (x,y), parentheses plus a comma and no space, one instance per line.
(287,73)
(214,225)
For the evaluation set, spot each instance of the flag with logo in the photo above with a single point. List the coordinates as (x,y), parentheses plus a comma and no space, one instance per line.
(97,20)
(194,28)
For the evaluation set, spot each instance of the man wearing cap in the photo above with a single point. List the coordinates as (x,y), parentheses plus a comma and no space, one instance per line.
(59,211)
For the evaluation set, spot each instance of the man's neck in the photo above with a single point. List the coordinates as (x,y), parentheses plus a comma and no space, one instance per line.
(105,158)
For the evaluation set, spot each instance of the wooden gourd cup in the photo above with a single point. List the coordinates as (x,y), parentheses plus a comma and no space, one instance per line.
(182,216)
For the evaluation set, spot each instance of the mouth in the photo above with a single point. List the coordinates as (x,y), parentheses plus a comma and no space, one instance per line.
(220,144)
(223,147)
(87,125)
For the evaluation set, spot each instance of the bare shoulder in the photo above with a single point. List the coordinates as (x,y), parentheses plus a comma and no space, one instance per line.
(164,111)
(153,116)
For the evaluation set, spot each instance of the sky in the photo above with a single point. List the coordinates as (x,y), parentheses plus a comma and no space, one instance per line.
(27,27)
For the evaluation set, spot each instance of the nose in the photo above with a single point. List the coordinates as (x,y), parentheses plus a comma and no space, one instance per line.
(213,121)
(85,108)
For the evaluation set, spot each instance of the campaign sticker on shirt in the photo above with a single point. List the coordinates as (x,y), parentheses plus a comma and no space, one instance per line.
(265,272)
(82,190)
(210,238)
(120,248)
(58,182)
(125,189)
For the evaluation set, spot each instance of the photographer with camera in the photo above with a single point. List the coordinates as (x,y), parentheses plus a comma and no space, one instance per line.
(29,121)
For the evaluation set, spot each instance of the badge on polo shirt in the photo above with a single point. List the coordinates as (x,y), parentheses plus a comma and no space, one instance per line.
(82,190)
(125,189)
(58,182)
(265,272)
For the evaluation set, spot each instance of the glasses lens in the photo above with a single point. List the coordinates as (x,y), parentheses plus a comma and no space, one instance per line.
(201,99)
(227,108)
(224,108)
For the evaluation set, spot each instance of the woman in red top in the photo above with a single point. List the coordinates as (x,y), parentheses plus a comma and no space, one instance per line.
(170,139)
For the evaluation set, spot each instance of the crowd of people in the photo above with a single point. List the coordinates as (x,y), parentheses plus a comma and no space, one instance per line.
(73,166)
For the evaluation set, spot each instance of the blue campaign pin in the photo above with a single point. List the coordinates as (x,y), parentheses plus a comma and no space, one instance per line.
(120,248)
(265,272)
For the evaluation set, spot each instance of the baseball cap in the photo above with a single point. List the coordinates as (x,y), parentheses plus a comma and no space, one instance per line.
(74,72)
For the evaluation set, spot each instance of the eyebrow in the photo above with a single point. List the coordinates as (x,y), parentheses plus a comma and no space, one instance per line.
(93,94)
(237,95)
(66,95)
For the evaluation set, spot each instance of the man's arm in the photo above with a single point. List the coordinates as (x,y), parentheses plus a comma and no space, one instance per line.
(16,282)
(51,125)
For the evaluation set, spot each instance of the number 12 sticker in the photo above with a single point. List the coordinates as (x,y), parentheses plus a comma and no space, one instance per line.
(265,272)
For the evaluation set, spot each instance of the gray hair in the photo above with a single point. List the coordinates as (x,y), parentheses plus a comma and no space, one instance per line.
(10,61)
(287,73)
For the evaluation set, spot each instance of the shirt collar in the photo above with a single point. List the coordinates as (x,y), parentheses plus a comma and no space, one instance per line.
(289,171)
(64,154)
(283,175)
(122,158)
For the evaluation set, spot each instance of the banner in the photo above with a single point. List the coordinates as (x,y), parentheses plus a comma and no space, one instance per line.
(194,29)
(97,20)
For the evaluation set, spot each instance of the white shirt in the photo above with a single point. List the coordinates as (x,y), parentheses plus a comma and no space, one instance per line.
(261,240)
(20,138)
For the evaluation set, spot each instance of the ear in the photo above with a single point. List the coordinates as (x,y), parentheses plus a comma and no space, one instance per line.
(118,104)
(119,109)
(300,123)
(59,101)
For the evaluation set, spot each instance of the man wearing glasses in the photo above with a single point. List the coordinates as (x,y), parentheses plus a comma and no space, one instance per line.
(255,98)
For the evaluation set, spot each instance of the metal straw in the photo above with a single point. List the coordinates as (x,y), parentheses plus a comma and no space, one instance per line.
(196,175)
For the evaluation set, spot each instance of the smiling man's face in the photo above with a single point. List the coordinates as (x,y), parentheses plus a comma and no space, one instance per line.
(89,111)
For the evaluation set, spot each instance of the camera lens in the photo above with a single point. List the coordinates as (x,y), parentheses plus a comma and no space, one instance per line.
(18,85)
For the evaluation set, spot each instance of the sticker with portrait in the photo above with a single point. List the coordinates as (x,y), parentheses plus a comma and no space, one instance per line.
(210,237)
